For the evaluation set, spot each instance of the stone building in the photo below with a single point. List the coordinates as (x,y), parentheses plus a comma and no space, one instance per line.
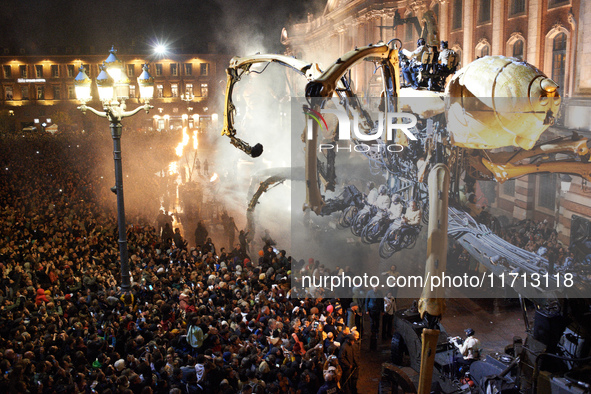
(35,85)
(554,35)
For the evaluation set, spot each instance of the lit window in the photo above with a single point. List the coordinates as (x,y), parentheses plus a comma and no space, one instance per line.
(558,59)
(174,88)
(159,91)
(130,71)
(457,15)
(8,90)
(174,70)
(39,71)
(188,69)
(518,49)
(25,93)
(71,71)
(204,69)
(7,72)
(40,93)
(204,90)
(189,89)
(484,11)
(22,71)
(55,71)
(131,91)
(56,93)
(158,69)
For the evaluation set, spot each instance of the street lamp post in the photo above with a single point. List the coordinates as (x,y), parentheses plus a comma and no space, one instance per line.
(113,88)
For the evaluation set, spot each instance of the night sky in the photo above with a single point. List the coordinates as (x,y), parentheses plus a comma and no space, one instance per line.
(232,24)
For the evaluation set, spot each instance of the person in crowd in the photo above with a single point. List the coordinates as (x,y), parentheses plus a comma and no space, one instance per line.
(446,57)
(396,208)
(411,71)
(230,229)
(179,242)
(349,360)
(389,310)
(243,240)
(382,204)
(469,349)
(410,220)
(473,208)
(374,305)
(200,234)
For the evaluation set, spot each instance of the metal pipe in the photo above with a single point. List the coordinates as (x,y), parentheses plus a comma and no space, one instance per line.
(524,311)
(116,134)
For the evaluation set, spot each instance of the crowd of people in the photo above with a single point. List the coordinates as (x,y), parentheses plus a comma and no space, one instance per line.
(538,236)
(198,319)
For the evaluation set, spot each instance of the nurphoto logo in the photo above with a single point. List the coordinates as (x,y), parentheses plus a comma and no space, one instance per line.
(349,129)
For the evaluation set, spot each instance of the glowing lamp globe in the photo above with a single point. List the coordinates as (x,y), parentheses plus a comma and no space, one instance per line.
(82,85)
(146,83)
(105,85)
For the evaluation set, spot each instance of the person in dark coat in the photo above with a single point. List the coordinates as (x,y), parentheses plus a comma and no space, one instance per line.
(179,242)
(374,305)
(167,234)
(349,361)
(200,234)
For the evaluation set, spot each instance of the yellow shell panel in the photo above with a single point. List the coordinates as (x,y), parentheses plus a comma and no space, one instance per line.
(498,101)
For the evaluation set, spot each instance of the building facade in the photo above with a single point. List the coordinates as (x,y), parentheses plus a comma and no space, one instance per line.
(553,35)
(35,87)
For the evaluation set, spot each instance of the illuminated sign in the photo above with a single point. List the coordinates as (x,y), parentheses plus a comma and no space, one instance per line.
(27,80)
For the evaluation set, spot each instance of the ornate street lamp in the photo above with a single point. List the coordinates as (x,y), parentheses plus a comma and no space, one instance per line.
(113,89)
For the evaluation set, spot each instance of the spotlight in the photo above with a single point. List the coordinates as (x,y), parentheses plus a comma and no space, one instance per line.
(160,49)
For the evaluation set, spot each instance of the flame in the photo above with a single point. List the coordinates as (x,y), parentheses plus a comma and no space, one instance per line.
(183,143)
(195,142)
(179,149)
(185,137)
(214,177)
(172,168)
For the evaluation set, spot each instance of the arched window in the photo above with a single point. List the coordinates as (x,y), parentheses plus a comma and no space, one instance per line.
(559,59)
(458,50)
(518,49)
(482,48)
